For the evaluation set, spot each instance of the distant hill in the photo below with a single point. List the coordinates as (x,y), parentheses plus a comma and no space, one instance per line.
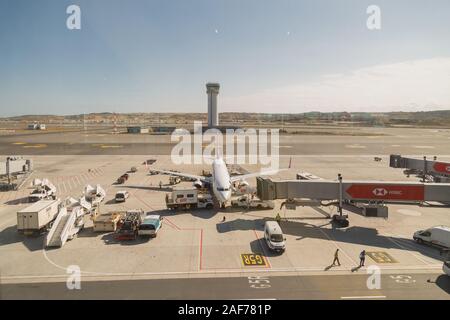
(439,118)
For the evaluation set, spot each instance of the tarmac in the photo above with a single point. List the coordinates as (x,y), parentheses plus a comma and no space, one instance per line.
(342,141)
(196,249)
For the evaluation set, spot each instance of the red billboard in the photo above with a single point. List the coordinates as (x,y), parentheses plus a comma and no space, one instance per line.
(380,191)
(442,167)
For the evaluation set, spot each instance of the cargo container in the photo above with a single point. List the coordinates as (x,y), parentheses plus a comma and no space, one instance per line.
(37,217)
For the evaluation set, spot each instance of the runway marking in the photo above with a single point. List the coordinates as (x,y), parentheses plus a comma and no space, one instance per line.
(253,259)
(78,180)
(381,257)
(336,245)
(19,143)
(205,271)
(110,146)
(424,147)
(355,146)
(263,250)
(408,212)
(365,297)
(414,254)
(41,145)
(63,184)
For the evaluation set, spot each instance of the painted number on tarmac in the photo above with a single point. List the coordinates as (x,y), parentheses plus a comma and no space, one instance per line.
(259,282)
(253,259)
(401,278)
(381,257)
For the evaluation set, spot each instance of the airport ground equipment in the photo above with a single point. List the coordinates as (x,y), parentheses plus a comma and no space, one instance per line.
(188,198)
(427,170)
(122,178)
(150,225)
(69,222)
(108,222)
(249,203)
(174,180)
(43,190)
(38,217)
(14,171)
(129,226)
(94,195)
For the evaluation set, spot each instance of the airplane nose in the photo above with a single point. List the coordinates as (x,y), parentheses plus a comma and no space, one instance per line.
(224,195)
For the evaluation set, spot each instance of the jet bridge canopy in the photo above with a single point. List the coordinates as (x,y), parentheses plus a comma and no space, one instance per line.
(376,191)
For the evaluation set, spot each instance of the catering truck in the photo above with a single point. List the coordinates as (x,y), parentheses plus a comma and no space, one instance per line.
(247,202)
(38,217)
(188,198)
(438,236)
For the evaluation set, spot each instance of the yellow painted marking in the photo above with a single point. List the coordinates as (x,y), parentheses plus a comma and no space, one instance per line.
(253,259)
(19,143)
(35,146)
(106,146)
(381,257)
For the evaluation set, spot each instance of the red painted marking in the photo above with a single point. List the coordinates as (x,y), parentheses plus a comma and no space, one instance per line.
(201,249)
(379,191)
(442,167)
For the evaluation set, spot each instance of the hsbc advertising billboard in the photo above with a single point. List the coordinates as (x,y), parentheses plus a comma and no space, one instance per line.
(380,191)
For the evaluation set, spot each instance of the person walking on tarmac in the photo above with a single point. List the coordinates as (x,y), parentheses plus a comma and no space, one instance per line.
(160,184)
(336,258)
(362,258)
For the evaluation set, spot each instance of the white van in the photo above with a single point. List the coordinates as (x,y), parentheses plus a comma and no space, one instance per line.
(439,236)
(274,236)
(446,268)
(121,196)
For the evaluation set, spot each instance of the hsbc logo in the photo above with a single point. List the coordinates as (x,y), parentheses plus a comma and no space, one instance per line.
(447,168)
(380,192)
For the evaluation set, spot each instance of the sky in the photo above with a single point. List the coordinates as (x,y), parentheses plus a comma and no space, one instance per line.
(284,56)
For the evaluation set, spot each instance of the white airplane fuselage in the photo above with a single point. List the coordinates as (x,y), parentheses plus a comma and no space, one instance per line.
(221,184)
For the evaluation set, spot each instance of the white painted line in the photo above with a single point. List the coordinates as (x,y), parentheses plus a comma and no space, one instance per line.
(408,249)
(365,297)
(64,185)
(336,245)
(78,180)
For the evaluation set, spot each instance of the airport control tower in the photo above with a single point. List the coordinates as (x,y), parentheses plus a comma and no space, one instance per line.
(212,89)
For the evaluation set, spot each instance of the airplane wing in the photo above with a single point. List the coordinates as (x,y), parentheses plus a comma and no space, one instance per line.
(254,174)
(186,175)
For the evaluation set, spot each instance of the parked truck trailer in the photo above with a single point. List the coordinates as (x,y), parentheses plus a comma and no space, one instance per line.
(38,217)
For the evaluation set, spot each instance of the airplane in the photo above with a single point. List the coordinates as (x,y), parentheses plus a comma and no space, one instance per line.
(220,180)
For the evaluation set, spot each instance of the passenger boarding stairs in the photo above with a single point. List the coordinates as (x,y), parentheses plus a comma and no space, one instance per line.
(68,223)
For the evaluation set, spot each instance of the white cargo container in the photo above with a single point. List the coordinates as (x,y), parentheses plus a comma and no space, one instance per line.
(38,216)
(439,236)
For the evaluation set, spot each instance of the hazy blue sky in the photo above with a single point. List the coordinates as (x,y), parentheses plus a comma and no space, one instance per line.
(269,56)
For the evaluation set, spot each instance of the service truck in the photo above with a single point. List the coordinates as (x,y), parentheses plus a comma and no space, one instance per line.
(43,190)
(38,217)
(247,202)
(188,198)
(438,236)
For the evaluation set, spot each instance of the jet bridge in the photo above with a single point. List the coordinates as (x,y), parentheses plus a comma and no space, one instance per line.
(372,191)
(427,170)
(369,197)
